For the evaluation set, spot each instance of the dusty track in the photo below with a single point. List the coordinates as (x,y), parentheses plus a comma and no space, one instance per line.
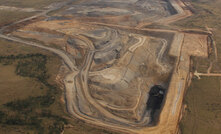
(206,74)
(160,55)
(44,13)
(60,53)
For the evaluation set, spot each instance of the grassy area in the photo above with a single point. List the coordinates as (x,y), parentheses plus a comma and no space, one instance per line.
(8,17)
(39,4)
(203,97)
(29,87)
(29,97)
(203,113)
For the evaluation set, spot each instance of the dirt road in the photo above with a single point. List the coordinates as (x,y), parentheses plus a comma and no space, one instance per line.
(60,53)
(44,13)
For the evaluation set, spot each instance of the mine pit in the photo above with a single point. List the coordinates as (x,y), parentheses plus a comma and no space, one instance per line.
(123,76)
(118,68)
(154,103)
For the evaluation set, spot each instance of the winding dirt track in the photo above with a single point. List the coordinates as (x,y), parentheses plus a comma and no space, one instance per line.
(60,53)
(160,55)
(44,13)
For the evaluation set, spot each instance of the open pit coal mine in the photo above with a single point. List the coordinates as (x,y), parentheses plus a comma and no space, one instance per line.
(119,75)
(117,69)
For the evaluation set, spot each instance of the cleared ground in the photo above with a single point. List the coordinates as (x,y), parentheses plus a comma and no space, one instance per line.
(114,64)
(129,13)
(117,70)
(121,89)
